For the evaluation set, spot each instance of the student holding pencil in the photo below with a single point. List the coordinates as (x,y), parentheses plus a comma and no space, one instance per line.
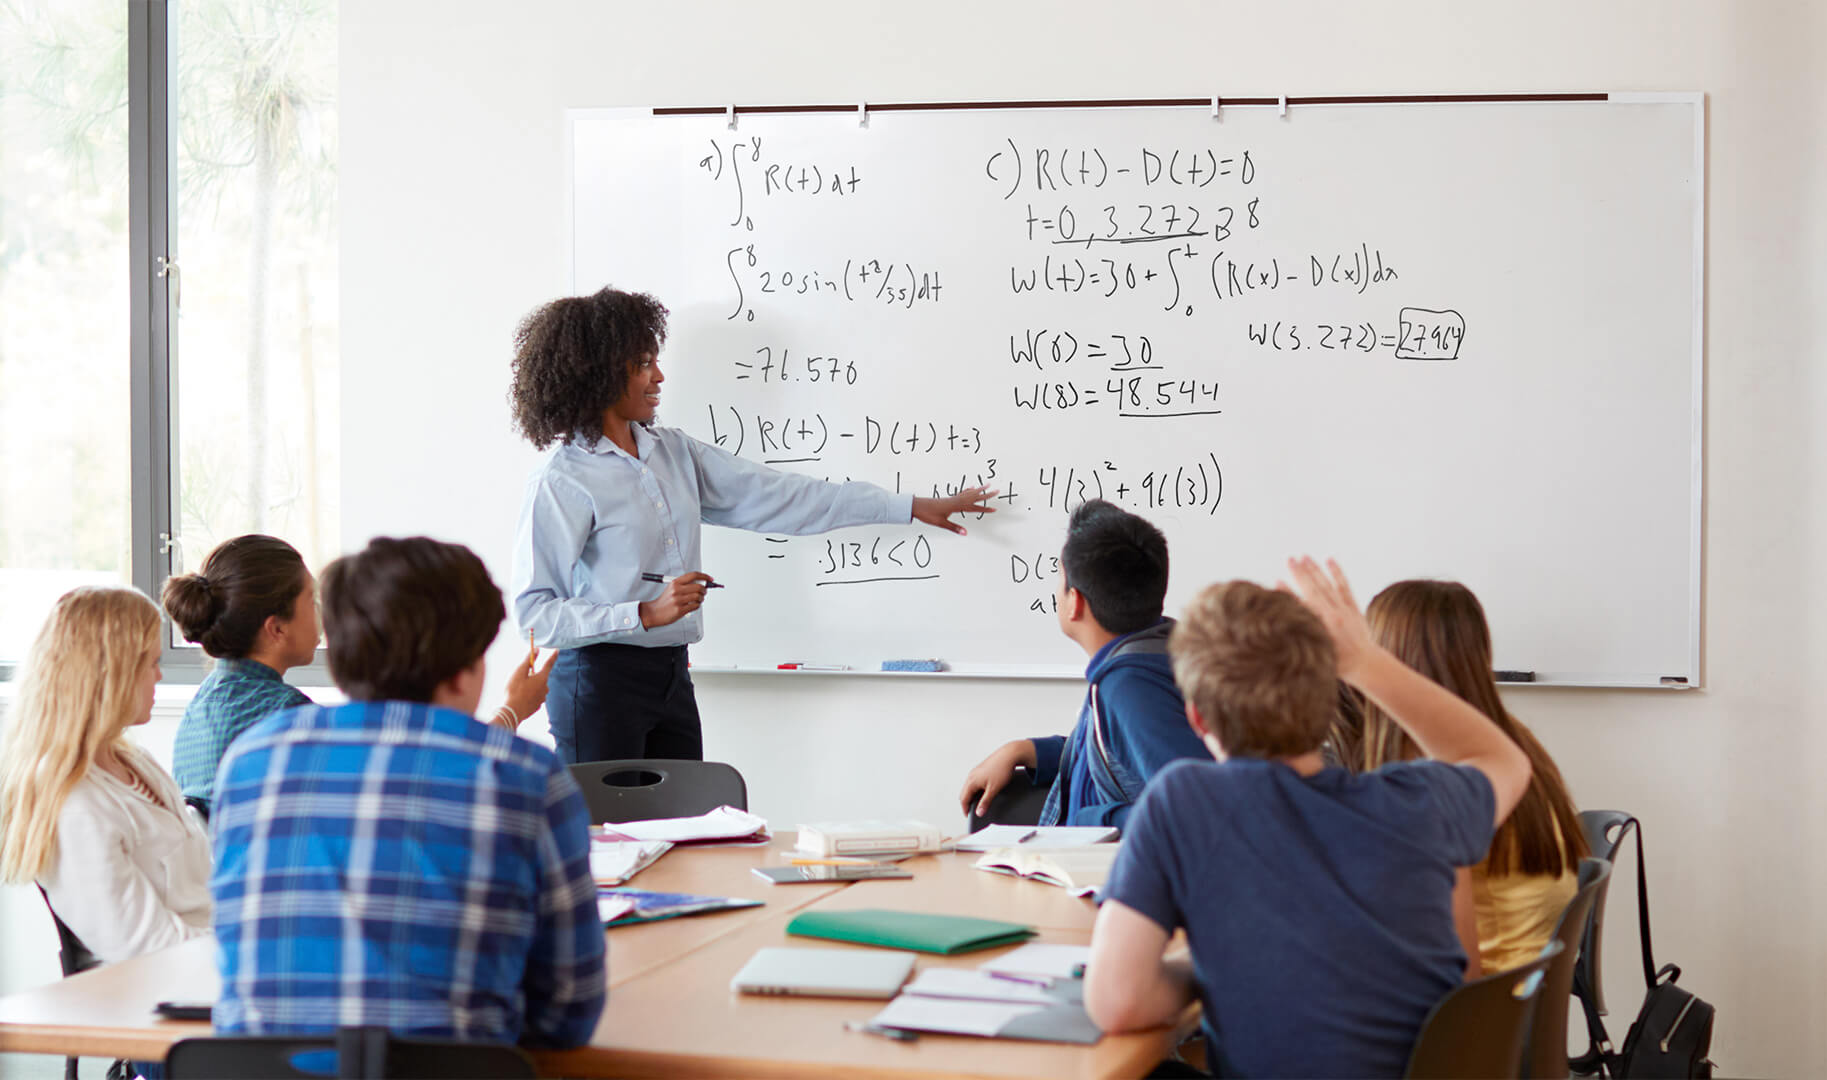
(606,556)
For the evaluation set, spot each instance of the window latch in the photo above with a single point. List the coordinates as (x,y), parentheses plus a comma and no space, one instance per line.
(168,267)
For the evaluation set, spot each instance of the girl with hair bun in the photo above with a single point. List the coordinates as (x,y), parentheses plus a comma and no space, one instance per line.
(88,815)
(252,606)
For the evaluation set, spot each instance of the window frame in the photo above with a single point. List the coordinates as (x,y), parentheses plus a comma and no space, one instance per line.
(156,284)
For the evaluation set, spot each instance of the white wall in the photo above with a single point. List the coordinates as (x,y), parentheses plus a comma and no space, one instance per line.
(453,227)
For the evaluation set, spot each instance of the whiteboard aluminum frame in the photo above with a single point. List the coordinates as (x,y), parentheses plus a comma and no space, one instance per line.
(1692,679)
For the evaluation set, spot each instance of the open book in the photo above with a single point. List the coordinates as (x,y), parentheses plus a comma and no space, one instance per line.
(613,862)
(1080,869)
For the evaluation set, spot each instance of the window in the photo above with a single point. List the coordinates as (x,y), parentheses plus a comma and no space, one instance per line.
(168,267)
(254,409)
(65,460)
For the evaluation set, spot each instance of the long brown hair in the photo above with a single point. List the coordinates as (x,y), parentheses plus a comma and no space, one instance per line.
(1438,628)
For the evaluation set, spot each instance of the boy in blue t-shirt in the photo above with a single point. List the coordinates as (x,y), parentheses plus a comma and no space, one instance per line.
(1317,903)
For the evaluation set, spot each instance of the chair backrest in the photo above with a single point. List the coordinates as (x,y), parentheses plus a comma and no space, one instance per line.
(1605,832)
(1018,803)
(1547,1053)
(1478,1029)
(640,789)
(353,1053)
(1599,826)
(72,954)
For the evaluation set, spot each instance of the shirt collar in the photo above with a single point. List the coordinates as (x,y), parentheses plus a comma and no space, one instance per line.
(643,440)
(248,669)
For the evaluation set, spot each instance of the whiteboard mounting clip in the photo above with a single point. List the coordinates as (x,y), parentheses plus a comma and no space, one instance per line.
(1215,104)
(862,114)
(729,117)
(1283,105)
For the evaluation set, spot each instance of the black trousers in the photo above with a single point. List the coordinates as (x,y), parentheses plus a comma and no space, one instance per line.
(613,702)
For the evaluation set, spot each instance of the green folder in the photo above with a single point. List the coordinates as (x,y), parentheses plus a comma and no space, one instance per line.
(945,934)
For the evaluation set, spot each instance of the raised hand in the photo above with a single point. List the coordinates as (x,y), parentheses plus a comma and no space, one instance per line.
(1328,595)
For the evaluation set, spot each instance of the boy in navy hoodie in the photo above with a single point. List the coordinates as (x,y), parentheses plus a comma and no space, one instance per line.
(1112,583)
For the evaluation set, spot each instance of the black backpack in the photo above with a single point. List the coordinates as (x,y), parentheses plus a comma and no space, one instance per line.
(1673,1031)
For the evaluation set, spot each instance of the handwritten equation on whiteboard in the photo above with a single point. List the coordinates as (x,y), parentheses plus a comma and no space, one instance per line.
(1136,242)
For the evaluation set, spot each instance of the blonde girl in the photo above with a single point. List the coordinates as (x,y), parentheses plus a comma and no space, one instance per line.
(88,815)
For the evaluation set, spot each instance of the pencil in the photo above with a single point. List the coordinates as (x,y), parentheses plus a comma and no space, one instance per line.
(532,653)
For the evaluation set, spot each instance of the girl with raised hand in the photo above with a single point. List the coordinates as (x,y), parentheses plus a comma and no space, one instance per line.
(1507,905)
(88,815)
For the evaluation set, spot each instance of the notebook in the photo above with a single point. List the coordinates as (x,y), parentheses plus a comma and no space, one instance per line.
(849,973)
(979,985)
(989,1019)
(623,907)
(920,931)
(991,837)
(1053,961)
(1081,870)
(801,875)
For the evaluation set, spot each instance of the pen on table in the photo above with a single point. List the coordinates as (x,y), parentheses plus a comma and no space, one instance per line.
(1031,980)
(1027,836)
(661,579)
(897,1034)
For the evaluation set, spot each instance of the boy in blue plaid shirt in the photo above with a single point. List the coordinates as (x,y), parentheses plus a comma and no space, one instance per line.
(394,861)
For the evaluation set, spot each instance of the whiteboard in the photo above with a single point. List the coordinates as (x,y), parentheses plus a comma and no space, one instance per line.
(1456,340)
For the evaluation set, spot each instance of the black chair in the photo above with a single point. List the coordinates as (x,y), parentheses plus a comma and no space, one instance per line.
(353,1053)
(1018,803)
(1605,832)
(1547,1053)
(73,956)
(641,789)
(200,805)
(1479,1029)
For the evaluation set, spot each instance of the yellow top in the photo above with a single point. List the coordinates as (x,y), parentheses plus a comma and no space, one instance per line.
(1517,913)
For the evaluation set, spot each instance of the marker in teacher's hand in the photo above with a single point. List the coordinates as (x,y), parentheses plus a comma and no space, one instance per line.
(660,579)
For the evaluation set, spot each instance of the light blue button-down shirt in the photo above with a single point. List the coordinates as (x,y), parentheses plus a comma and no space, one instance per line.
(595,519)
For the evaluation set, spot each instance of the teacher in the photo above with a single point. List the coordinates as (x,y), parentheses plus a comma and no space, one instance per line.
(618,503)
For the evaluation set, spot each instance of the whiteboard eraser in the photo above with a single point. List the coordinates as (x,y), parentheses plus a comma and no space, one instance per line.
(913,665)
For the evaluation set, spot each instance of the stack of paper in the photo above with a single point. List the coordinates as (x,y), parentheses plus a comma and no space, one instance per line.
(615,861)
(725,824)
(991,837)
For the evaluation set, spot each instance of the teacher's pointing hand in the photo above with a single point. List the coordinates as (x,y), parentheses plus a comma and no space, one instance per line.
(938,512)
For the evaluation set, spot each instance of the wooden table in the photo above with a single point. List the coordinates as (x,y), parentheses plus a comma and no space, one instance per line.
(670,1010)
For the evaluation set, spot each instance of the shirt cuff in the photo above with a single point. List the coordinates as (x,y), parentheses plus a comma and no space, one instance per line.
(625,617)
(900,509)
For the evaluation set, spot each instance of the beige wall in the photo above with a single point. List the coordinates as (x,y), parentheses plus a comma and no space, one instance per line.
(452,189)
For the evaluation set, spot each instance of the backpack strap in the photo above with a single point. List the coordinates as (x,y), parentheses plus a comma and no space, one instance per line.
(1103,749)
